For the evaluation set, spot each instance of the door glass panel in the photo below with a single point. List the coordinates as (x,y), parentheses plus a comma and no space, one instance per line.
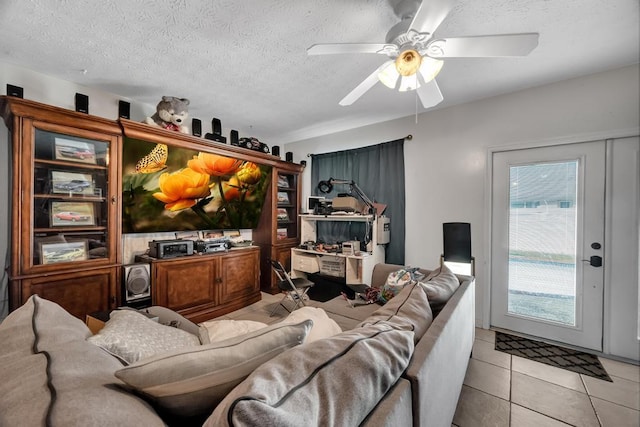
(542,241)
(70,183)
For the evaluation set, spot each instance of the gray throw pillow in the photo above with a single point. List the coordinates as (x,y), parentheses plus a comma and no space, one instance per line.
(192,381)
(335,381)
(409,309)
(132,336)
(440,285)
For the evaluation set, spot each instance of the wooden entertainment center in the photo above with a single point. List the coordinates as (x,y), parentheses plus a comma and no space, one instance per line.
(66,218)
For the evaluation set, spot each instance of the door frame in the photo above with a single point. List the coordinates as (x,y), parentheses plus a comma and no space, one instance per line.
(488,203)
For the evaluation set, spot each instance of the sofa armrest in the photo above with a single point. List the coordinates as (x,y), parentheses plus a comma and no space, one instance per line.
(394,409)
(440,360)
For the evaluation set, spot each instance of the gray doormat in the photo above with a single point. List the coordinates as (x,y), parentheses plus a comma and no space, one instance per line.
(549,354)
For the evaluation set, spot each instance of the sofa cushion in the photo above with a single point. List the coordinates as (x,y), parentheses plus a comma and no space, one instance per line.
(334,382)
(131,336)
(410,308)
(323,325)
(50,374)
(440,285)
(219,330)
(192,381)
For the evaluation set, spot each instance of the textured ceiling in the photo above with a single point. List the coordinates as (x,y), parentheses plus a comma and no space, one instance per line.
(245,62)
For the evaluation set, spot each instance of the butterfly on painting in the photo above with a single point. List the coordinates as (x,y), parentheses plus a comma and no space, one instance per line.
(154,161)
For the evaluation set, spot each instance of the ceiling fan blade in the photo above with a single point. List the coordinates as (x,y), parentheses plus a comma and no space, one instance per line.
(430,15)
(367,84)
(336,48)
(429,94)
(483,46)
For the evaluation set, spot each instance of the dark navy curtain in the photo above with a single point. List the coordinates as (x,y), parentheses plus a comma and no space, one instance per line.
(379,172)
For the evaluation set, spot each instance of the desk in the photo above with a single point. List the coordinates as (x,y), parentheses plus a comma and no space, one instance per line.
(355,269)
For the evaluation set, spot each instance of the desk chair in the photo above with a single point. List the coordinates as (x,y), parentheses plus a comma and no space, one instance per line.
(296,289)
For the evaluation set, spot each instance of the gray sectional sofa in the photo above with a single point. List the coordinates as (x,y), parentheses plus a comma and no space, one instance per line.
(391,366)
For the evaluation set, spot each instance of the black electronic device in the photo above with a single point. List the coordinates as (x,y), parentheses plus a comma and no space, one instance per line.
(275,150)
(289,156)
(196,127)
(170,248)
(234,138)
(323,207)
(207,247)
(16,91)
(82,103)
(124,109)
(136,284)
(457,241)
(216,125)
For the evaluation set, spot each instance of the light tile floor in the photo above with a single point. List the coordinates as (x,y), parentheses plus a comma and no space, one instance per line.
(510,391)
(504,390)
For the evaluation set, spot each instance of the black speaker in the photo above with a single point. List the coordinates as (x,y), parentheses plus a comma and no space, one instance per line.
(196,127)
(82,103)
(124,109)
(234,138)
(303,163)
(457,241)
(16,91)
(216,135)
(216,125)
(275,150)
(289,156)
(136,284)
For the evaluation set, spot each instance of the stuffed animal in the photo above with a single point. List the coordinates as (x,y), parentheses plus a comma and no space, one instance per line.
(171,113)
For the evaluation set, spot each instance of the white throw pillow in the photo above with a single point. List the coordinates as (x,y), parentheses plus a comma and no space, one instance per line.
(323,325)
(132,336)
(223,329)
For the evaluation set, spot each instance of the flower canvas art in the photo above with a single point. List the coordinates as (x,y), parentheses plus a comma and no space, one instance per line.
(174,189)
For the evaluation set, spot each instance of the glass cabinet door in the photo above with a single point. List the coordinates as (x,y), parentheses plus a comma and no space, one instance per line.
(287,206)
(70,188)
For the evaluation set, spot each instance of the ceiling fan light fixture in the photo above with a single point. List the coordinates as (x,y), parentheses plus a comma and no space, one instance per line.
(408,62)
(389,76)
(409,83)
(430,68)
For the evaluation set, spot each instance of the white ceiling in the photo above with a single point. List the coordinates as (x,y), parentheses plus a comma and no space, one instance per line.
(245,62)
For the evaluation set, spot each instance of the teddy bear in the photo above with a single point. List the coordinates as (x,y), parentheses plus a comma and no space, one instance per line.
(170,114)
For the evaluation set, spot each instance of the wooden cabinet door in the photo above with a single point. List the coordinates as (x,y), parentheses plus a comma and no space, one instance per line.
(239,274)
(182,284)
(80,292)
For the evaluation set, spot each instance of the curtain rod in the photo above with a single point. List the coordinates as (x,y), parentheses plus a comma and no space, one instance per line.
(408,137)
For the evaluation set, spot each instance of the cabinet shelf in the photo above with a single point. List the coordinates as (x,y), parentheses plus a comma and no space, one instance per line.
(74,197)
(65,164)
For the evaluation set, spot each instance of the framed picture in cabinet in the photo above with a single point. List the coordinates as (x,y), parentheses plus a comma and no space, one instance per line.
(283,182)
(283,198)
(63,182)
(51,253)
(71,214)
(75,151)
(283,215)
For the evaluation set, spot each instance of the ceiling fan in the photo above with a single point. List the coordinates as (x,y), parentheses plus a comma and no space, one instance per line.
(416,57)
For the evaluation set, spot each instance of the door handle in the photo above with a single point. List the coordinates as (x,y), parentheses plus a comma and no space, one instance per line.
(594,261)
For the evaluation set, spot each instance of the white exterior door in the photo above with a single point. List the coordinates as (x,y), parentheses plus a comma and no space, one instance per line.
(547,274)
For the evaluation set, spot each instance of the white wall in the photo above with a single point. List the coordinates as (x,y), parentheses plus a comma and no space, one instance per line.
(445,162)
